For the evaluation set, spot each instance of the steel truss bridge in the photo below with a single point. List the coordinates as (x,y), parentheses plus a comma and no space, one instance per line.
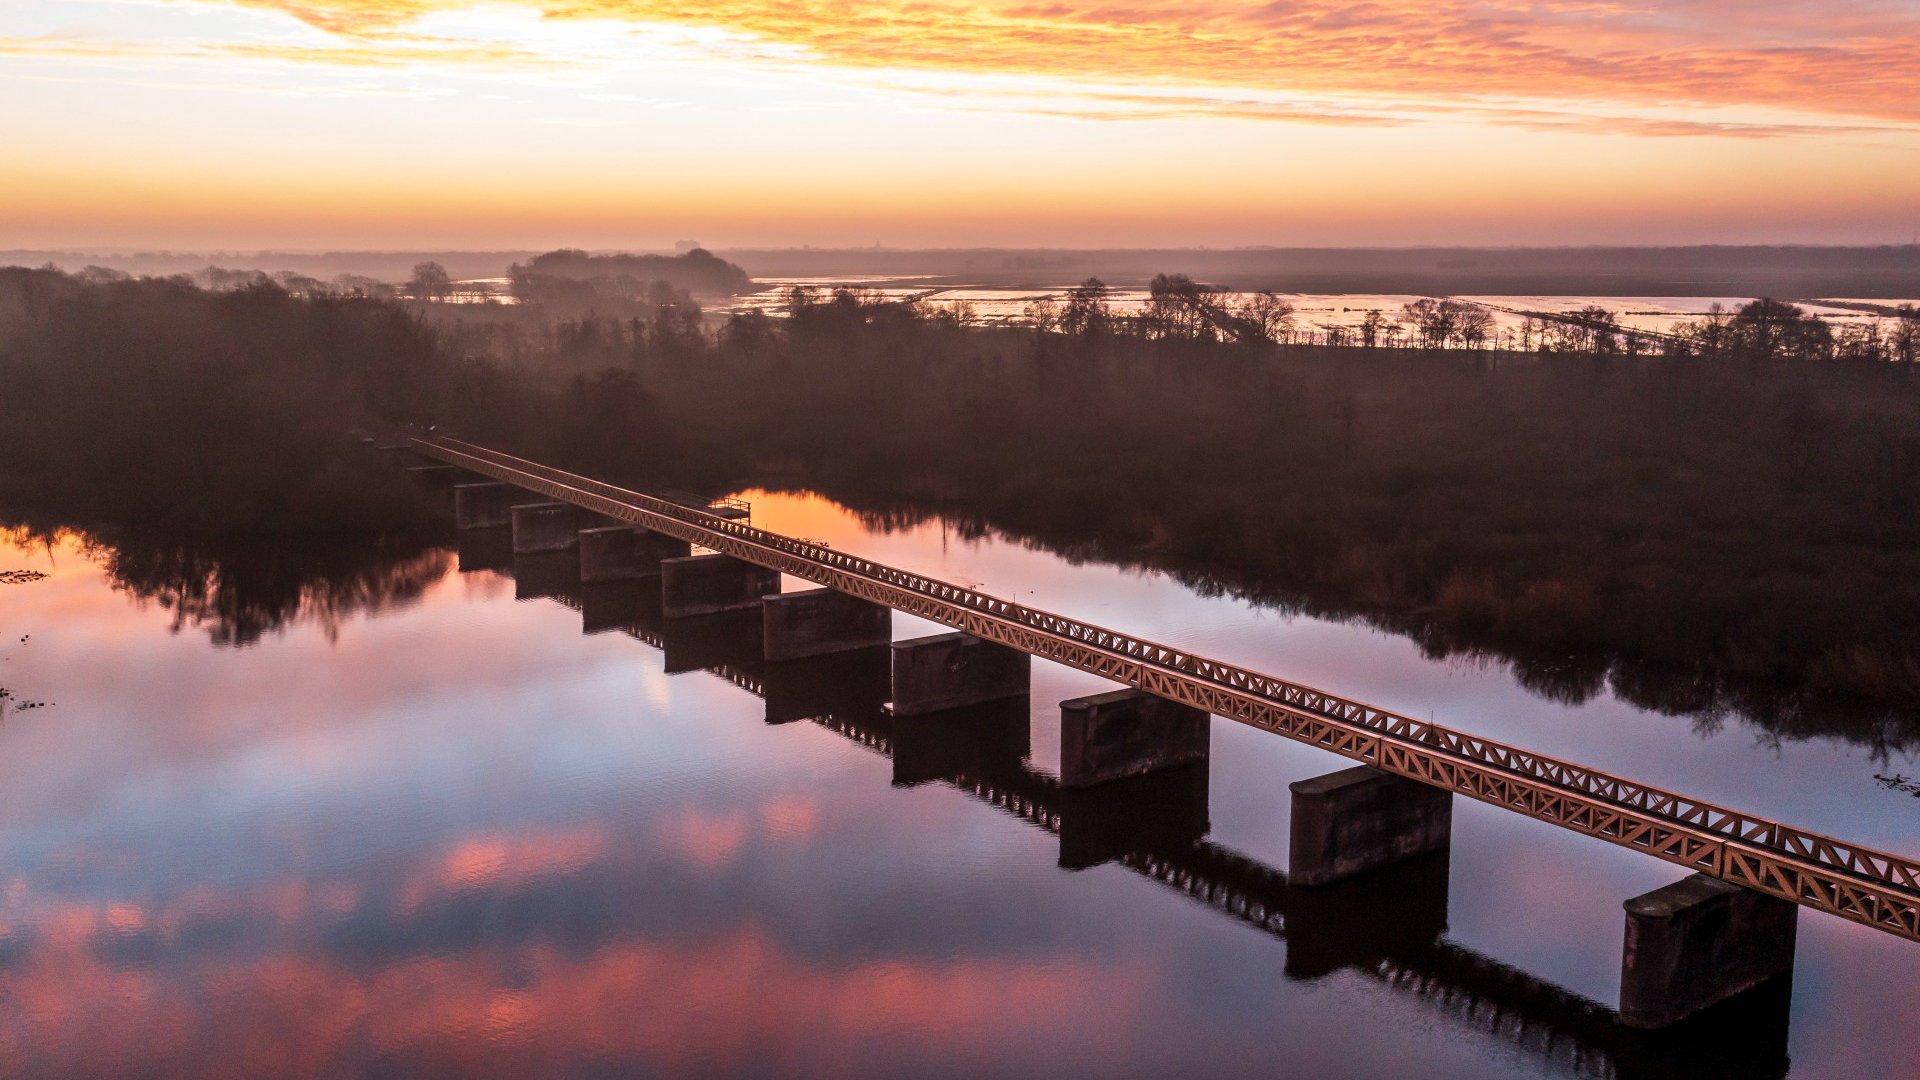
(1571,1033)
(1869,887)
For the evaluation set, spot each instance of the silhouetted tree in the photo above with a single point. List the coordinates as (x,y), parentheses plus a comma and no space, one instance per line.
(1177,308)
(1043,315)
(571,277)
(1087,313)
(1439,323)
(1270,317)
(1903,340)
(1371,326)
(1767,329)
(1559,509)
(430,282)
(1472,325)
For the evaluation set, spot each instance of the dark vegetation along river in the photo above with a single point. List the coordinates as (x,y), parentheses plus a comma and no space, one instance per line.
(294,781)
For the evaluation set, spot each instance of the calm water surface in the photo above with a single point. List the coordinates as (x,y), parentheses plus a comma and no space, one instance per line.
(430,827)
(1312,311)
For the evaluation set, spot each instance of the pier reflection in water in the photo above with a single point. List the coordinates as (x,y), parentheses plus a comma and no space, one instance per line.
(310,885)
(1389,924)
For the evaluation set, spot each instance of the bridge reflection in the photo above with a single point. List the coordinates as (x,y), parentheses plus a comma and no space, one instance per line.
(1388,926)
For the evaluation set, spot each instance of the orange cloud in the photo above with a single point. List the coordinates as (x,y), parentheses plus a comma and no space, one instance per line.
(358,51)
(1107,106)
(1820,58)
(374,54)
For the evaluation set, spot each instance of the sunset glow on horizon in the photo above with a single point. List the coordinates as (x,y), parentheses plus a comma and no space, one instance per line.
(629,123)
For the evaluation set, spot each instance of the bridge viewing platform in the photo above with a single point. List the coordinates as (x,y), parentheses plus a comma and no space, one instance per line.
(1722,931)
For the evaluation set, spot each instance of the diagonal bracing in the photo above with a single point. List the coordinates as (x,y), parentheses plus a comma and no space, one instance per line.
(1856,883)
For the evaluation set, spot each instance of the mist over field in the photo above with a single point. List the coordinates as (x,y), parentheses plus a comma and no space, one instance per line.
(1889,272)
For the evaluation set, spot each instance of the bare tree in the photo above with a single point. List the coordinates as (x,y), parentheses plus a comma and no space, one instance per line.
(799,298)
(1770,329)
(1472,325)
(1903,340)
(1265,314)
(1710,333)
(1087,312)
(1176,308)
(1044,314)
(1371,326)
(1860,341)
(430,282)
(961,313)
(1420,314)
(1605,327)
(359,285)
(1435,322)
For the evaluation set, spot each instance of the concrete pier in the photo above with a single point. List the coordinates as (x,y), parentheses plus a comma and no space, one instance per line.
(1125,733)
(436,476)
(547,575)
(648,624)
(545,526)
(980,740)
(1164,811)
(708,584)
(485,549)
(1745,1037)
(402,453)
(948,671)
(1698,942)
(1355,820)
(724,639)
(626,553)
(841,684)
(610,605)
(485,506)
(1358,922)
(817,622)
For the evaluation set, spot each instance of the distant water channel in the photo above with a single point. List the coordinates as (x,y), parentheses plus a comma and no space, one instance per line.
(417,822)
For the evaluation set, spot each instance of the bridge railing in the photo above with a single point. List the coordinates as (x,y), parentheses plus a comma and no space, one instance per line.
(1855,882)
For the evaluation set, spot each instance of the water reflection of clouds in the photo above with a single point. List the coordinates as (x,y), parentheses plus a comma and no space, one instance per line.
(561,945)
(466,838)
(536,1011)
(1822,784)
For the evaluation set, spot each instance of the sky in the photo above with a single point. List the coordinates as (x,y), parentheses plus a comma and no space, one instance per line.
(488,124)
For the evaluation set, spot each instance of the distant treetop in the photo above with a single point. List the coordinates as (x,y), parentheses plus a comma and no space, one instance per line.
(697,271)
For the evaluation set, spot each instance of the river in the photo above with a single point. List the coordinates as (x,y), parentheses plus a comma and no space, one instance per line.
(410,819)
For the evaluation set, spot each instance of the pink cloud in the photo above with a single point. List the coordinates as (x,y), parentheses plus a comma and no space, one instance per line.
(1825,58)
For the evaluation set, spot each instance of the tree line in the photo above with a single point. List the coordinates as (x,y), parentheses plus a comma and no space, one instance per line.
(1179,308)
(1691,529)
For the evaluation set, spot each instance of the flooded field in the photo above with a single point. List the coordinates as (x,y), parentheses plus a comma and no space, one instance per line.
(1316,315)
(1319,312)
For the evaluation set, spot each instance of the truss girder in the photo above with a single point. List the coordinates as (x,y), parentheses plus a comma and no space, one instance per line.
(1857,883)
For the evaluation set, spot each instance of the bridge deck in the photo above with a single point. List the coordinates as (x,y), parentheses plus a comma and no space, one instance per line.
(1860,884)
(1581,1036)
